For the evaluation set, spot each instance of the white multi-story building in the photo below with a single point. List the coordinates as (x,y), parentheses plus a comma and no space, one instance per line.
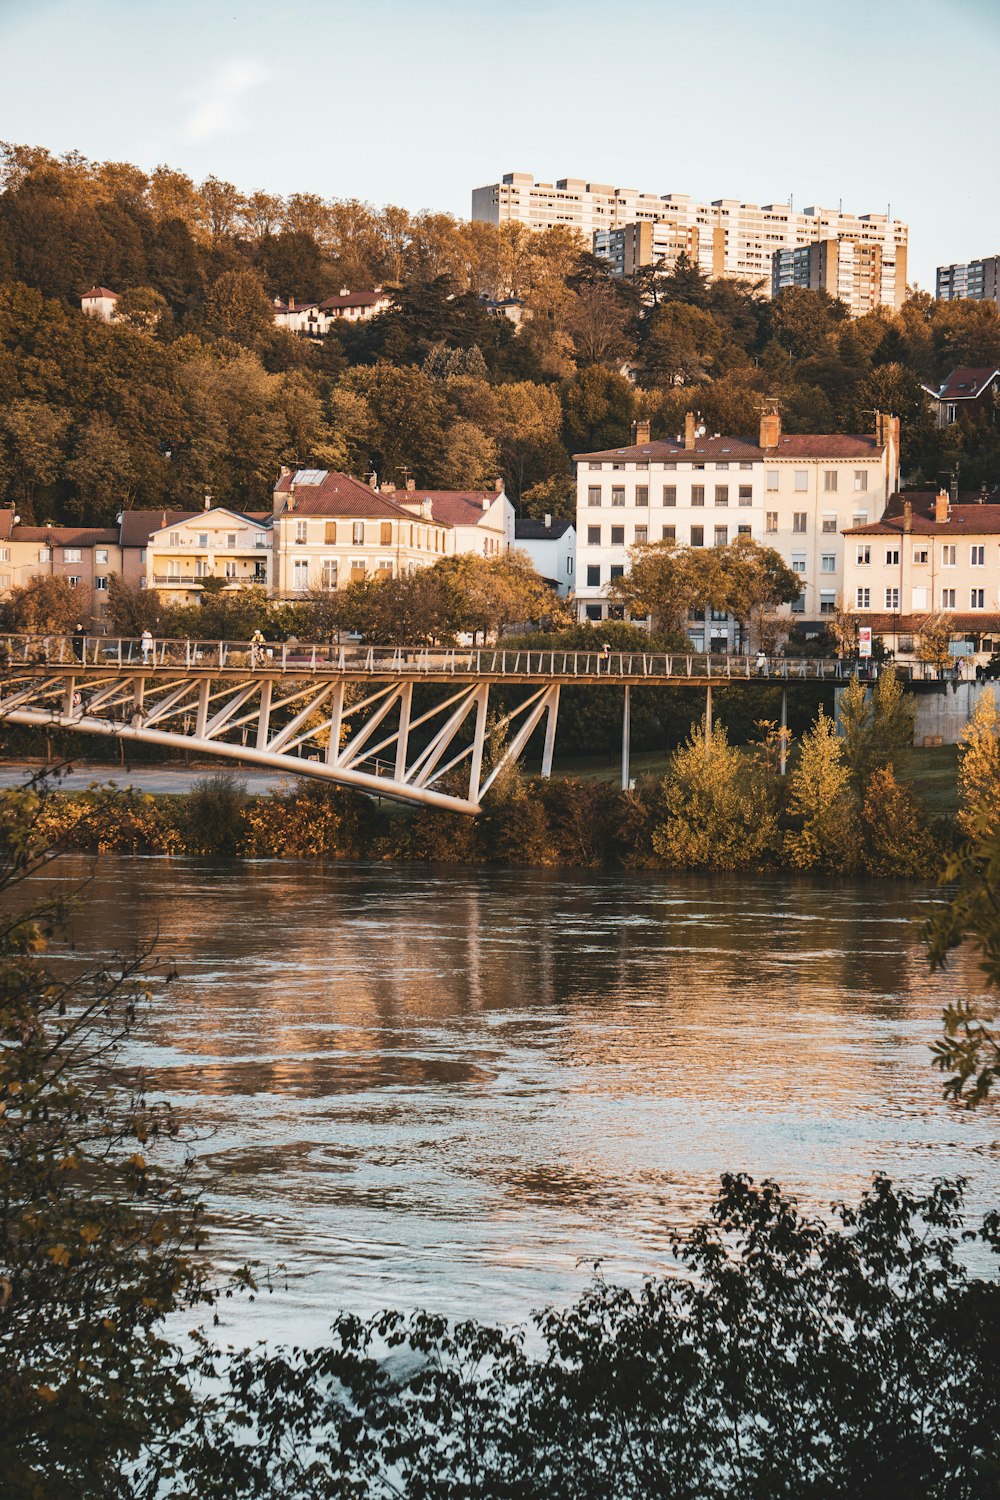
(101,303)
(727,237)
(795,493)
(213,543)
(932,559)
(551,546)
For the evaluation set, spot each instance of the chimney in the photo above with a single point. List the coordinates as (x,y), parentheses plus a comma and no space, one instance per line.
(345,291)
(411,484)
(291,496)
(689,429)
(498,486)
(388,488)
(640,433)
(770,428)
(907,515)
(208,502)
(487,502)
(548,521)
(426,510)
(942,505)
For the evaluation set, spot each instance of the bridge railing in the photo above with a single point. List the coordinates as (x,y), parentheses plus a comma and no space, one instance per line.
(497,661)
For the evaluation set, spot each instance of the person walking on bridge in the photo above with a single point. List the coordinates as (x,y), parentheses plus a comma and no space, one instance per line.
(256,649)
(146,646)
(760,665)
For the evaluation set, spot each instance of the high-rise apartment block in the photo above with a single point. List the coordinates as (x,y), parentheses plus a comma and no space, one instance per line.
(978,280)
(725,237)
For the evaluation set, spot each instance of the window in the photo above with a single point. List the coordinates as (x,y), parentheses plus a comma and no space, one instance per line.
(593,494)
(722,466)
(643,465)
(593,536)
(230,568)
(670,494)
(721,536)
(385,534)
(593,612)
(358,533)
(746,494)
(801,479)
(860,480)
(948,555)
(722,494)
(947,598)
(618,466)
(892,598)
(670,466)
(618,536)
(828,562)
(100,554)
(330,533)
(771,521)
(697,536)
(697,494)
(799,607)
(977,556)
(669,534)
(201,568)
(72,554)
(892,557)
(593,575)
(829,526)
(772,479)
(745,465)
(642,494)
(744,530)
(859,518)
(617,570)
(231,540)
(864,598)
(617,494)
(798,562)
(203,539)
(920,554)
(592,465)
(830,481)
(827,602)
(641,533)
(175,539)
(301,530)
(358,570)
(74,580)
(799,520)
(328,576)
(101,585)
(718,615)
(697,466)
(977,599)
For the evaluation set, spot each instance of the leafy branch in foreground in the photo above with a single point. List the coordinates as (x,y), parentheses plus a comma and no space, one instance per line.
(97,1244)
(970,1047)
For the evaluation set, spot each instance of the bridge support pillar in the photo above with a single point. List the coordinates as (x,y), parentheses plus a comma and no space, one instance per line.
(264,717)
(626,736)
(550,734)
(708,721)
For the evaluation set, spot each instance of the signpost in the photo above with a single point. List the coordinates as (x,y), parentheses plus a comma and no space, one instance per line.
(865,641)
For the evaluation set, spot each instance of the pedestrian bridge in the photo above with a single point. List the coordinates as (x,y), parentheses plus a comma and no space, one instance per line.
(410,723)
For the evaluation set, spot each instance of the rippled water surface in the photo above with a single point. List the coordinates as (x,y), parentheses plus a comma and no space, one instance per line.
(448,1087)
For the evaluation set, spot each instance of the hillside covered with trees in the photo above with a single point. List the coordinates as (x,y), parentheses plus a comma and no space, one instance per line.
(195,390)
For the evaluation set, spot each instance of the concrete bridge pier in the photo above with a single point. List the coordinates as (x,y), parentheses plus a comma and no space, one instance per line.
(626,736)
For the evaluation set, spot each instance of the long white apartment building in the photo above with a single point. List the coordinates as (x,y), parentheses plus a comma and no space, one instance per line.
(725,236)
(795,493)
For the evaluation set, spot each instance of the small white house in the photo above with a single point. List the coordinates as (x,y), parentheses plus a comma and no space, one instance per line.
(551,545)
(99,302)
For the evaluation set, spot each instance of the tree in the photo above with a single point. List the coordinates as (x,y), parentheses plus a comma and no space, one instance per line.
(875,725)
(680,345)
(130,611)
(934,641)
(598,406)
(979,770)
(754,580)
(236,308)
(46,605)
(492,594)
(970,1048)
(826,834)
(97,1244)
(34,431)
(719,805)
(142,308)
(101,470)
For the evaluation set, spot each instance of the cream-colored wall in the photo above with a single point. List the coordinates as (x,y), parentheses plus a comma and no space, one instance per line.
(174,568)
(909,575)
(20,561)
(407,545)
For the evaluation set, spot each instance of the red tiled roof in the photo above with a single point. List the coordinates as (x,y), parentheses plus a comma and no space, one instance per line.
(710,447)
(966,383)
(99,291)
(978,622)
(825,445)
(963,521)
(339,495)
(923,500)
(138,525)
(451,507)
(67,536)
(6,523)
(355,299)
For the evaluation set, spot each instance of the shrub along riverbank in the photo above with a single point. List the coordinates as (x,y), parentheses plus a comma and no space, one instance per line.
(842,809)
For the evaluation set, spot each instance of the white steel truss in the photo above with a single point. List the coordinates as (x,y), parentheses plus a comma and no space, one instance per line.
(443,751)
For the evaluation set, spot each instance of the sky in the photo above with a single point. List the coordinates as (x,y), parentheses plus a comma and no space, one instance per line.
(868,103)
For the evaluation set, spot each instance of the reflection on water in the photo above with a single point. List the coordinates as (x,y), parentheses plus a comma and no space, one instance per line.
(447,1087)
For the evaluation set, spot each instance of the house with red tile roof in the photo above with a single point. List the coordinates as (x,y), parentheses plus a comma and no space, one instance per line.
(966,392)
(100,302)
(315,319)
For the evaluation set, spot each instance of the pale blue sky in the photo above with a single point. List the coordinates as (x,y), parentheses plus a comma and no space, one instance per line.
(417,103)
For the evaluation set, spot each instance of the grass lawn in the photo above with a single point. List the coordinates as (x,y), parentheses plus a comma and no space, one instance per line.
(933,774)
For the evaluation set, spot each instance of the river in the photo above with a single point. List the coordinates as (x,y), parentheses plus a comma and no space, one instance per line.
(458,1088)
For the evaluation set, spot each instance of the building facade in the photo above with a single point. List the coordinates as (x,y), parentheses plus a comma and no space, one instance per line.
(213,543)
(967,392)
(726,237)
(551,546)
(101,303)
(85,556)
(905,569)
(795,493)
(315,319)
(978,280)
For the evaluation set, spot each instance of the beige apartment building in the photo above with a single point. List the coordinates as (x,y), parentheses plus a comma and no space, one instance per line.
(934,558)
(85,556)
(727,237)
(215,542)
